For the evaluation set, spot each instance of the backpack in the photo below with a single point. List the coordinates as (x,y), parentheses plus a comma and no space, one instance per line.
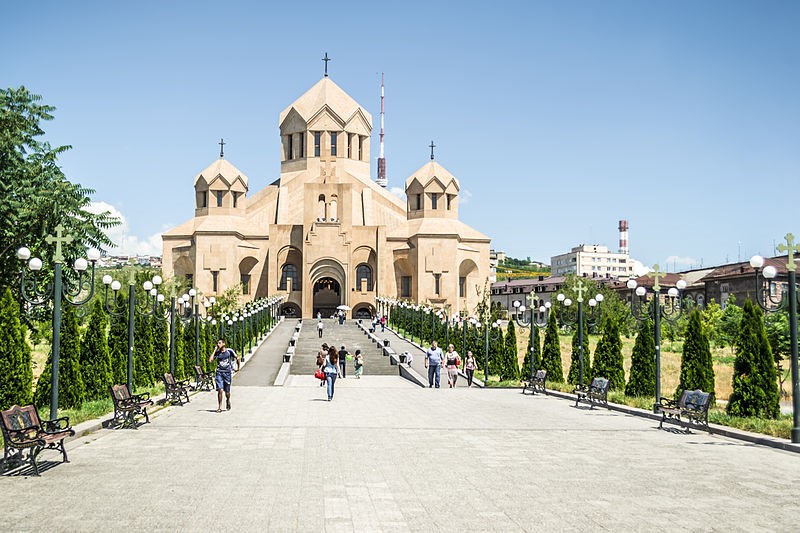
(320,360)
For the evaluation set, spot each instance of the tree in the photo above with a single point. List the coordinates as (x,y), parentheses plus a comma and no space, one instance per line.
(160,348)
(16,371)
(608,362)
(712,314)
(118,341)
(729,322)
(537,363)
(642,379)
(143,373)
(70,382)
(36,194)
(189,348)
(95,357)
(697,367)
(510,367)
(551,352)
(755,383)
(777,324)
(574,374)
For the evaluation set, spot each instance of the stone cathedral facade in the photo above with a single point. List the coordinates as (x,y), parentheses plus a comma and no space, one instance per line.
(325,234)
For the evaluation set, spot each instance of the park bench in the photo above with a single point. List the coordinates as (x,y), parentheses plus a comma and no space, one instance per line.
(203,380)
(127,406)
(596,393)
(690,409)
(536,383)
(176,390)
(24,430)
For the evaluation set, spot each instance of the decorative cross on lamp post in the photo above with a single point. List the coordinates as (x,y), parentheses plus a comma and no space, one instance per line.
(59,291)
(537,319)
(670,311)
(788,299)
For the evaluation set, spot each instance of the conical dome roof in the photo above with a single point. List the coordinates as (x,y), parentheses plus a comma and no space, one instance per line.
(224,169)
(430,171)
(325,92)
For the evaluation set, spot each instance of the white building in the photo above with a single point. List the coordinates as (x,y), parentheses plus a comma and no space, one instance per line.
(593,261)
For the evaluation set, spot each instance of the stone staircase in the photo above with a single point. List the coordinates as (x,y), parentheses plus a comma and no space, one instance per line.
(348,335)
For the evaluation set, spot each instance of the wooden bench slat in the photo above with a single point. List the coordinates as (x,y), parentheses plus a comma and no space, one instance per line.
(23,430)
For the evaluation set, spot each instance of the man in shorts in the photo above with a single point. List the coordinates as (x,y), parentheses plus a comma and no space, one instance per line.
(222,377)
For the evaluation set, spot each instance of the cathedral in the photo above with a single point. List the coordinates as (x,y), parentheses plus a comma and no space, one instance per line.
(325,234)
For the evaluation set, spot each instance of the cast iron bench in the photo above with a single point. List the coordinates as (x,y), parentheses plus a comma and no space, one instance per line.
(176,391)
(203,380)
(24,430)
(127,406)
(536,384)
(596,393)
(690,409)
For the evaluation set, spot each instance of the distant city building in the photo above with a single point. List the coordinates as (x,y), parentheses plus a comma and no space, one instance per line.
(592,261)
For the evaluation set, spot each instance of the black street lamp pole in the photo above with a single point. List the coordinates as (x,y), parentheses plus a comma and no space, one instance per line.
(580,317)
(788,299)
(60,291)
(533,323)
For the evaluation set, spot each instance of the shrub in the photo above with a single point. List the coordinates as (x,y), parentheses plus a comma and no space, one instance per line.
(551,352)
(608,362)
(642,379)
(95,359)
(16,371)
(697,367)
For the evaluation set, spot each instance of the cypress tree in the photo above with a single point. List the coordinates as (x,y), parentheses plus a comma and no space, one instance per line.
(510,370)
(697,369)
(142,353)
(755,382)
(574,367)
(118,341)
(189,350)
(95,358)
(70,382)
(551,352)
(642,379)
(608,362)
(160,348)
(526,363)
(16,370)
(179,351)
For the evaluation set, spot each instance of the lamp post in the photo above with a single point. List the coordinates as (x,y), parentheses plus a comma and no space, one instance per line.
(151,293)
(60,291)
(533,322)
(788,299)
(579,318)
(670,311)
(488,332)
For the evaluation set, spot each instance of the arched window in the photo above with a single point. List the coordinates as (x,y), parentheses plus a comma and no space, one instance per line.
(321,208)
(289,271)
(364,271)
(333,212)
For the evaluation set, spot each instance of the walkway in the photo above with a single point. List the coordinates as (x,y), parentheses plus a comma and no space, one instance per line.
(262,367)
(386,455)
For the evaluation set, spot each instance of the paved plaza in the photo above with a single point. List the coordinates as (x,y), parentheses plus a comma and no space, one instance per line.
(386,455)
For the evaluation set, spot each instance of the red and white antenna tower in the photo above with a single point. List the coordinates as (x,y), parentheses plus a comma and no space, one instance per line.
(381,160)
(623,236)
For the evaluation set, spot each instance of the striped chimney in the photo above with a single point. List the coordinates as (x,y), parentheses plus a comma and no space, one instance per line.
(623,236)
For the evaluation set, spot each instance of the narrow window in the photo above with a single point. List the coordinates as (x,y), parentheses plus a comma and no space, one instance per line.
(300,151)
(436,284)
(235,198)
(204,199)
(214,281)
(219,194)
(462,287)
(419,202)
(317,140)
(360,147)
(289,152)
(245,284)
(449,201)
(434,203)
(349,146)
(364,272)
(289,271)
(334,138)
(405,286)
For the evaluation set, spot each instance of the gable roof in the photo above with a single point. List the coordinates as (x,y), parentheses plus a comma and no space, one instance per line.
(221,167)
(325,93)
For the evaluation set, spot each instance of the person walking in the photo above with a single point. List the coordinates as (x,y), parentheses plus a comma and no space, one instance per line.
(359,363)
(452,362)
(343,361)
(433,362)
(383,323)
(319,328)
(469,367)
(332,370)
(222,377)
(323,352)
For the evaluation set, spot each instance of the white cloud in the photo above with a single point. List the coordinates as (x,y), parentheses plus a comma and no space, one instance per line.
(397,191)
(127,244)
(639,269)
(679,263)
(464,196)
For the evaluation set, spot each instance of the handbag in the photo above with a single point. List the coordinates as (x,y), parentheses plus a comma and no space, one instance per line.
(319,374)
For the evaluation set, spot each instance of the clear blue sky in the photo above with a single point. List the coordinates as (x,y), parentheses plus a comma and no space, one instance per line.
(558,118)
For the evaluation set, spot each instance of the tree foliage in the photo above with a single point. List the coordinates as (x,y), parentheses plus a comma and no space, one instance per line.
(551,352)
(642,379)
(729,322)
(16,372)
(510,367)
(70,381)
(574,375)
(118,340)
(95,358)
(755,383)
(36,194)
(537,353)
(697,367)
(608,362)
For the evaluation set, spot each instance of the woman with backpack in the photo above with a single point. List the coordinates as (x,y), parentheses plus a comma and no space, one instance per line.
(331,370)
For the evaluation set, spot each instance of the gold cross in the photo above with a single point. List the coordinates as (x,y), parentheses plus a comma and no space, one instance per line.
(58,239)
(656,273)
(790,249)
(580,288)
(531,298)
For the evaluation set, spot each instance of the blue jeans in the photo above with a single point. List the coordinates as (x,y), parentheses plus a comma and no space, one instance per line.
(331,379)
(434,372)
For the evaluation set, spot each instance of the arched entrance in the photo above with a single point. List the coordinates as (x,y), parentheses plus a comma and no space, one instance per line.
(328,279)
(327,297)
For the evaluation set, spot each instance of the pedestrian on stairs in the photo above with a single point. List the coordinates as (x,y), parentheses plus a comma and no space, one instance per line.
(359,362)
(319,328)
